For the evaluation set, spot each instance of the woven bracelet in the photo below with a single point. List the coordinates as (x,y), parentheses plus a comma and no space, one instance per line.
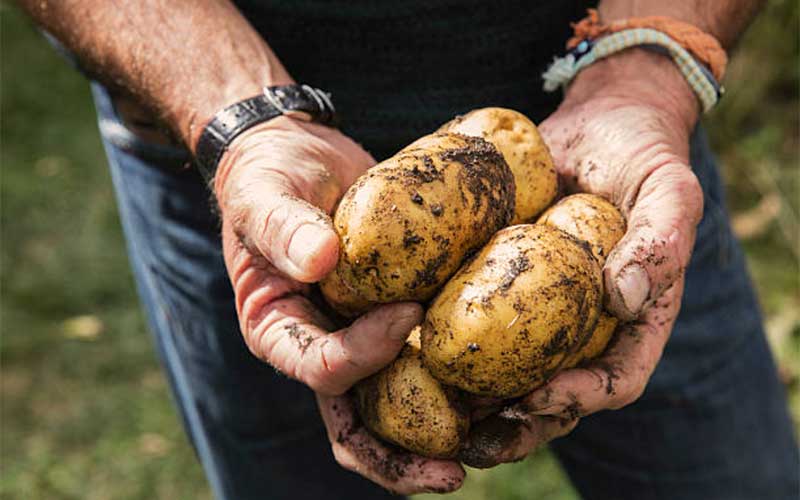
(700,79)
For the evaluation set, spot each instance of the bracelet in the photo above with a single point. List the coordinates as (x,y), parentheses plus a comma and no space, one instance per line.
(703,46)
(587,51)
(698,55)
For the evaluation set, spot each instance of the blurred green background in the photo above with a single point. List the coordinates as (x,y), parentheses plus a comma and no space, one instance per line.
(85,410)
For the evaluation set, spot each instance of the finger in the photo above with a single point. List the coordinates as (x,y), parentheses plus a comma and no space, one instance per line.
(620,376)
(285,334)
(658,243)
(333,362)
(397,470)
(282,327)
(510,436)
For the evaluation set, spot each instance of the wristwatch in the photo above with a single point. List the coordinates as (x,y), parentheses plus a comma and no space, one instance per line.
(301,102)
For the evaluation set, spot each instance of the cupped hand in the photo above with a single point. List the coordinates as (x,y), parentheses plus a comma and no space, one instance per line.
(276,186)
(622,132)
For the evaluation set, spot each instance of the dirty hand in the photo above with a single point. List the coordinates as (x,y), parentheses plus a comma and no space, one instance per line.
(622,132)
(276,186)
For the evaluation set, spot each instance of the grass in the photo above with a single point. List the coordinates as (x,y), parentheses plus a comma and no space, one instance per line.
(85,410)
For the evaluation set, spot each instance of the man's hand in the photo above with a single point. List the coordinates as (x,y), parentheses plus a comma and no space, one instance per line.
(276,186)
(622,132)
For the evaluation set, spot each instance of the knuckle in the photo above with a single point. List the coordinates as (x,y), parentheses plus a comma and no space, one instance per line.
(328,377)
(570,426)
(636,393)
(261,326)
(630,394)
(692,185)
(253,341)
(688,185)
(325,385)
(518,454)
(258,338)
(315,383)
(564,427)
(279,342)
(310,374)
(344,458)
(266,224)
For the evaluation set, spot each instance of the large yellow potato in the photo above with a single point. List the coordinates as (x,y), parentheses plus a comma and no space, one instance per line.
(408,223)
(511,317)
(517,138)
(596,221)
(405,405)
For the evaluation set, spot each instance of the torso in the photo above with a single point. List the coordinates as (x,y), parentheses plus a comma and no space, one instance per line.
(398,70)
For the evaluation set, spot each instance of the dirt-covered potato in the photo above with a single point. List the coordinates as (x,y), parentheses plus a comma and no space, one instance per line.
(407,223)
(517,138)
(597,342)
(342,297)
(596,221)
(512,316)
(405,405)
(590,218)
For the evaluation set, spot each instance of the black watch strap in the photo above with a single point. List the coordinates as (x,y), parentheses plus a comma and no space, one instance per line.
(298,101)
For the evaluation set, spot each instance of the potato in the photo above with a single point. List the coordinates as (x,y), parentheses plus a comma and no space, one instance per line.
(407,223)
(512,316)
(517,138)
(590,218)
(405,405)
(597,342)
(596,221)
(343,298)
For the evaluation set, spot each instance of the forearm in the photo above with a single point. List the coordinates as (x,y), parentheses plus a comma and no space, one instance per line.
(182,59)
(725,19)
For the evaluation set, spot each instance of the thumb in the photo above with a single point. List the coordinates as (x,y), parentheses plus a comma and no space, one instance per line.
(657,247)
(274,189)
(291,233)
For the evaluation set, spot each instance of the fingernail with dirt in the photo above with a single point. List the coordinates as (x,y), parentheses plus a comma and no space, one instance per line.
(305,244)
(634,287)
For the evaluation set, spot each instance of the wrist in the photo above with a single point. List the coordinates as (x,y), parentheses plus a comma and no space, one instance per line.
(641,76)
(214,87)
(303,103)
(204,112)
(200,113)
(283,129)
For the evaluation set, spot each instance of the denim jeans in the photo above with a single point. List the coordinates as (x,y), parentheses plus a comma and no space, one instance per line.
(712,424)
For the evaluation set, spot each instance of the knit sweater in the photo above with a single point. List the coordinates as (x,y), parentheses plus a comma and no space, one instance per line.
(397,70)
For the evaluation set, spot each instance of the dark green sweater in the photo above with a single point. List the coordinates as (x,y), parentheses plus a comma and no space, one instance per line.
(399,69)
